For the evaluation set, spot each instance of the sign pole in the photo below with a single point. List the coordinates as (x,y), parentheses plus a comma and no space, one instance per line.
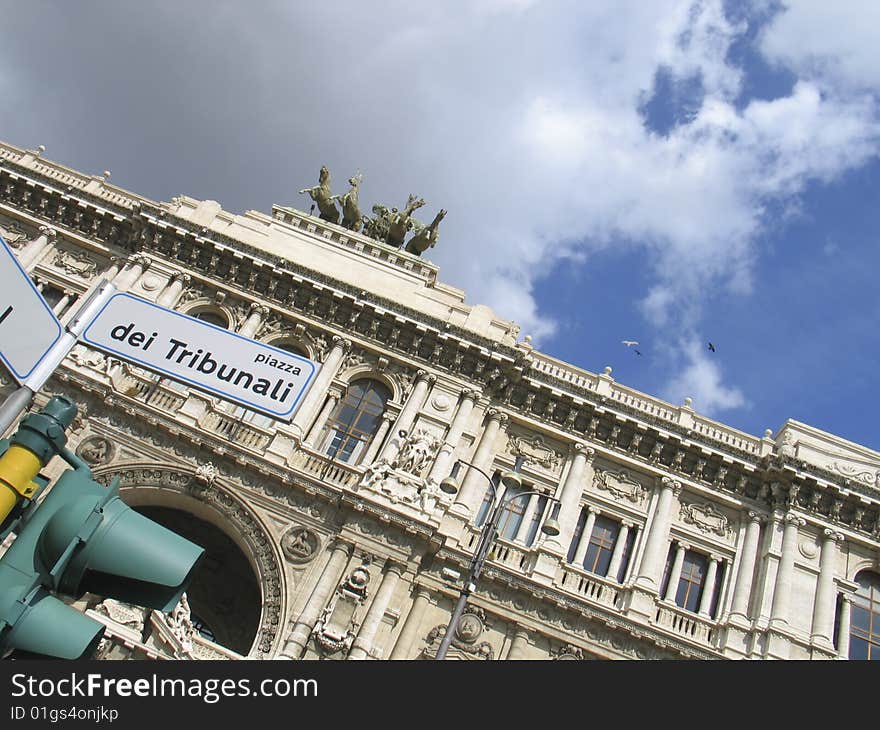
(19,400)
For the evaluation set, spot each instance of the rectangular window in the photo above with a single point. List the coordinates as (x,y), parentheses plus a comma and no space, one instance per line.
(690,584)
(511,518)
(601,545)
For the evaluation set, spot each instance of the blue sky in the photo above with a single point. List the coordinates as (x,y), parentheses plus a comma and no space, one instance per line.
(672,172)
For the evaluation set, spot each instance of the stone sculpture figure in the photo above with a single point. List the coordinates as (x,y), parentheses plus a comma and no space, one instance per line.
(402,222)
(321,194)
(425,237)
(351,214)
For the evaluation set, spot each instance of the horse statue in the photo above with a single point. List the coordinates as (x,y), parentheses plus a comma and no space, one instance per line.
(351,214)
(322,196)
(425,237)
(402,222)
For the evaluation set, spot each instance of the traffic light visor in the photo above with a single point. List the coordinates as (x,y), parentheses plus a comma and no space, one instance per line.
(49,627)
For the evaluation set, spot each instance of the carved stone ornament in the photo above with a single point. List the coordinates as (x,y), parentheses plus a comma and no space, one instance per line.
(621,485)
(471,626)
(808,547)
(300,544)
(401,486)
(568,652)
(206,474)
(337,627)
(78,264)
(95,450)
(416,453)
(13,234)
(535,451)
(705,518)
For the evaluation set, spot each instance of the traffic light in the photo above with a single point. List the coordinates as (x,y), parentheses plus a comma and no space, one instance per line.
(80,538)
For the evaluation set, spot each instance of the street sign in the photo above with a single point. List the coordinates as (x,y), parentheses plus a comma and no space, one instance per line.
(28,327)
(223,363)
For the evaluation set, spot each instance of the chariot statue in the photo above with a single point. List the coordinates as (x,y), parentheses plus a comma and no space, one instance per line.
(402,222)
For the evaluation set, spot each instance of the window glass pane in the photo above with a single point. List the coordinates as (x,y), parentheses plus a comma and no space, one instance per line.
(858,648)
(861,618)
(356,420)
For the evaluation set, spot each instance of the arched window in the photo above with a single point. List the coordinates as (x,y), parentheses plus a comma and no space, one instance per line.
(211,317)
(355,420)
(864,625)
(291,347)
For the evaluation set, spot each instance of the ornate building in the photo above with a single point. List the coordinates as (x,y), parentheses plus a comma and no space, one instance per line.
(328,537)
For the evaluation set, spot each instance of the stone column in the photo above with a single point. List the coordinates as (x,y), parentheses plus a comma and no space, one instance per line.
(332,399)
(442,465)
(823,606)
(32,250)
(413,405)
(115,265)
(254,319)
(413,620)
(843,629)
(519,644)
(376,441)
(675,573)
(318,389)
(299,636)
(617,553)
(170,294)
(62,303)
(363,643)
(782,588)
(522,532)
(570,497)
(474,486)
(135,267)
(747,557)
(652,558)
(709,586)
(584,542)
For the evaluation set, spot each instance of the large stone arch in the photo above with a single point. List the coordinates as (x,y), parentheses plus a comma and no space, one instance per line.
(206,497)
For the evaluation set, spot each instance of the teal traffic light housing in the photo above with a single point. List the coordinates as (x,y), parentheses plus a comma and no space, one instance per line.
(83,538)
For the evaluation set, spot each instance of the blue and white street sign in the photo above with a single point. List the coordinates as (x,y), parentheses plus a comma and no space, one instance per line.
(210,358)
(28,327)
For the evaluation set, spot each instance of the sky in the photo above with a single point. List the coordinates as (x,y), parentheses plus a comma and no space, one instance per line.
(675,172)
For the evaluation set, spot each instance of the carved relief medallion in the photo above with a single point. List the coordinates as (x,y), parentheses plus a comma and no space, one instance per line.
(299,544)
(95,450)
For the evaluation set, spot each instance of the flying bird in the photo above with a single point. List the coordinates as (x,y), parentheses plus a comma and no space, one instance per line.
(630,343)
(711,347)
(636,351)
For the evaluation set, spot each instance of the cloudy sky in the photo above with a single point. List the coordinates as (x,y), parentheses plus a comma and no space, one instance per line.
(673,172)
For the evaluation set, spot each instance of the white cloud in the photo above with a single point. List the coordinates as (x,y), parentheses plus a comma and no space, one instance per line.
(701,379)
(832,41)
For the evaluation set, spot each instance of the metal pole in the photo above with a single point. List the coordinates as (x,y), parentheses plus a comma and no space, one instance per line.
(15,404)
(487,537)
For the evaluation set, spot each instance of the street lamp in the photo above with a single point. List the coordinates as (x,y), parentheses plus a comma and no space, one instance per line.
(509,478)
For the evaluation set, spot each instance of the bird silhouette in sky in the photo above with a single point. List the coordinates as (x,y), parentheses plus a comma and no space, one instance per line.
(711,347)
(630,343)
(636,351)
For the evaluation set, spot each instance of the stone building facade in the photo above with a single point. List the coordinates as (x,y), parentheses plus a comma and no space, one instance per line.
(328,537)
